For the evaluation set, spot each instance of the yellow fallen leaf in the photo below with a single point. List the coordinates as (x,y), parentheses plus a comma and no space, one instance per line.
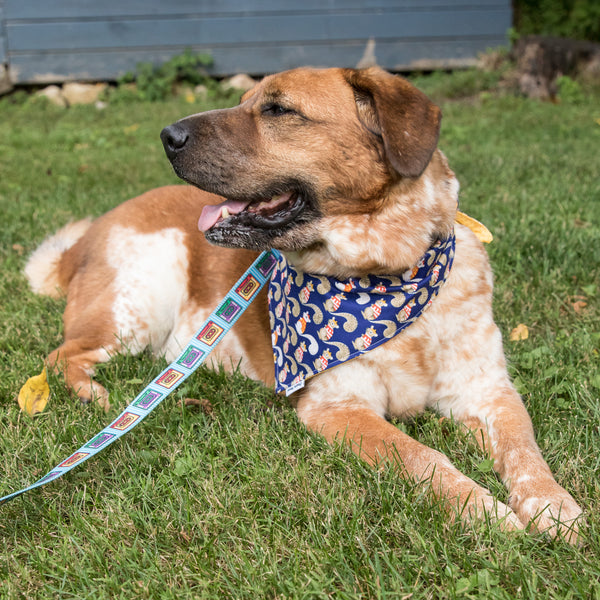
(598,121)
(132,128)
(520,332)
(189,97)
(482,233)
(34,395)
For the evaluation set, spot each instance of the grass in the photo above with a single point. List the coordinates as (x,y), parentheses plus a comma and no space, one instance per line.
(236,500)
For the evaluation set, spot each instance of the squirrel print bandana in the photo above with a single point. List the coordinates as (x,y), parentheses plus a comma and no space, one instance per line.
(318,322)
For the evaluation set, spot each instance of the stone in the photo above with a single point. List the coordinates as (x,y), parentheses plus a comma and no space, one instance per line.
(368,58)
(54,95)
(541,60)
(82,93)
(5,82)
(241,81)
(201,91)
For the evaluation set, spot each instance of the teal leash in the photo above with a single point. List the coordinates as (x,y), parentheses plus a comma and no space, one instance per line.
(205,340)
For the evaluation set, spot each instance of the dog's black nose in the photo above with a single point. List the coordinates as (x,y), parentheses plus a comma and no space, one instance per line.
(174,138)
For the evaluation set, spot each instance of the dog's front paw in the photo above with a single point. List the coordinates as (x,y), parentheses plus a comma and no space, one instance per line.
(485,506)
(94,392)
(548,508)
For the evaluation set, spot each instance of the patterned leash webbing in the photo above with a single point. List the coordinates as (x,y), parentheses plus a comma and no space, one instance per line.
(200,346)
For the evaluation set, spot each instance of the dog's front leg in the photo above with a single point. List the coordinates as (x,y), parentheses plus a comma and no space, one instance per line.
(375,440)
(503,428)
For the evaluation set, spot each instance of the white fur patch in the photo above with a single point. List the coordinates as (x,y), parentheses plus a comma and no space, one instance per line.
(42,266)
(533,505)
(186,324)
(151,284)
(228,353)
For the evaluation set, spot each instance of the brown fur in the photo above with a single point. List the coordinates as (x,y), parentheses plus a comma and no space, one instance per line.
(359,147)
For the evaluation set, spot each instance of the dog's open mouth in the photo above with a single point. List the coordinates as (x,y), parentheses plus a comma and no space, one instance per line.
(266,213)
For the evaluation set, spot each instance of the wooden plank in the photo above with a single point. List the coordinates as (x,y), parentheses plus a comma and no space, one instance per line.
(3,51)
(307,28)
(395,55)
(5,81)
(75,9)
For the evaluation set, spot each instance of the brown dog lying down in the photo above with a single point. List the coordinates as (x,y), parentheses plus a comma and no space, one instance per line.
(338,169)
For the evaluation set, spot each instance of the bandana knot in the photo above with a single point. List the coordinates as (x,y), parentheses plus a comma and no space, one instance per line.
(318,322)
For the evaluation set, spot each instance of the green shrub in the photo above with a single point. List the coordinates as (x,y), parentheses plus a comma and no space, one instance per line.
(157,82)
(569,90)
(461,84)
(579,19)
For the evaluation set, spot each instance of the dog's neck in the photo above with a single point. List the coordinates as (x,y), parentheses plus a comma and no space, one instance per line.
(413,214)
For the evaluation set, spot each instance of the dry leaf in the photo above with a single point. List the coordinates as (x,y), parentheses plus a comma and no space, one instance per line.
(185,535)
(34,395)
(482,233)
(580,224)
(520,332)
(577,303)
(203,403)
(578,306)
(189,97)
(132,128)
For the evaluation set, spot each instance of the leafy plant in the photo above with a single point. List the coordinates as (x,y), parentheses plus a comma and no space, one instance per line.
(462,84)
(578,19)
(569,90)
(158,82)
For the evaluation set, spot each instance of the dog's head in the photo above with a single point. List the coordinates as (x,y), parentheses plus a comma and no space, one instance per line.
(302,146)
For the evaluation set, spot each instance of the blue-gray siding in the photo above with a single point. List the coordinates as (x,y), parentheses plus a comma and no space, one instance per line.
(93,39)
(3,58)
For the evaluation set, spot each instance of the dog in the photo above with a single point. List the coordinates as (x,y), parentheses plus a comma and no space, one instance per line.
(339,170)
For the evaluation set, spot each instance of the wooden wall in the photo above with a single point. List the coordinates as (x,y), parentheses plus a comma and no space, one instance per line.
(56,40)
(4,81)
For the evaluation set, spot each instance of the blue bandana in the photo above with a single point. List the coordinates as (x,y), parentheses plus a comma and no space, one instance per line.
(318,322)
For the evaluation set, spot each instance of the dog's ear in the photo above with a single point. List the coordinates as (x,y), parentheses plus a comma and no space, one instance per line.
(406,120)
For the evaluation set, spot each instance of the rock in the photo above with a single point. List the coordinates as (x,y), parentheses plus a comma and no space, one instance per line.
(54,95)
(368,58)
(241,82)
(541,60)
(82,93)
(492,60)
(5,82)
(201,91)
(591,69)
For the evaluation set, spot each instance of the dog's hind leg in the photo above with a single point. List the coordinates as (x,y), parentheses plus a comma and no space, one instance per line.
(76,362)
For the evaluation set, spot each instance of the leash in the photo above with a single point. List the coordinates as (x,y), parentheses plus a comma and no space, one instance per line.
(212,331)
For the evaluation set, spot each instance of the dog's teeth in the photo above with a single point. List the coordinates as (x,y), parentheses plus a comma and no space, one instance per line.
(224,212)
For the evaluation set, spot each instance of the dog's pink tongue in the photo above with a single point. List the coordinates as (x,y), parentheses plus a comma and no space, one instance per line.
(211,213)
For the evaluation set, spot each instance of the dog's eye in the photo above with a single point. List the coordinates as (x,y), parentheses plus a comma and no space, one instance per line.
(276,110)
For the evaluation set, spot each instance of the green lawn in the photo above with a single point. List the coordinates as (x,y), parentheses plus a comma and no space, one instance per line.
(236,500)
